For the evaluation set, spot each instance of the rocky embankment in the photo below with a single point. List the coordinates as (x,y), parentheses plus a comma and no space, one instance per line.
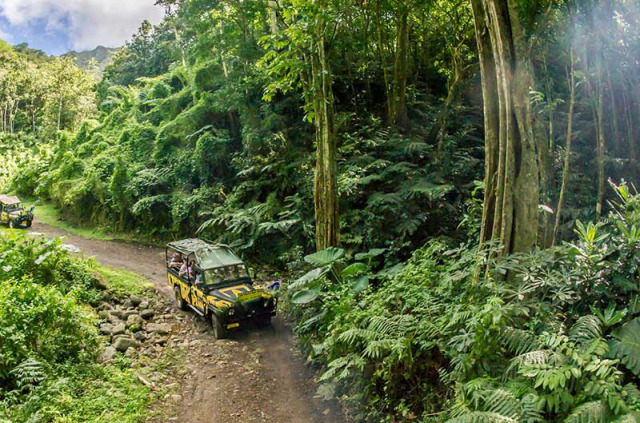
(136,325)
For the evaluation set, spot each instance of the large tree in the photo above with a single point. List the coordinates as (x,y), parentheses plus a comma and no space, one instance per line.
(512,171)
(302,59)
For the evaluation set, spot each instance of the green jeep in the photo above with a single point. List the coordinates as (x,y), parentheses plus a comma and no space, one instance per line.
(13,214)
(215,283)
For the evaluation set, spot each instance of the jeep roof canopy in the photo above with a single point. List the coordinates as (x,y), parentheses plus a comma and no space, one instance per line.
(9,200)
(210,256)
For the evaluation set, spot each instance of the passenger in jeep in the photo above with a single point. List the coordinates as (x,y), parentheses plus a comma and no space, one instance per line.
(176,261)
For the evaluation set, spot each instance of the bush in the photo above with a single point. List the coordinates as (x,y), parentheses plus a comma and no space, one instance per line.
(468,336)
(49,341)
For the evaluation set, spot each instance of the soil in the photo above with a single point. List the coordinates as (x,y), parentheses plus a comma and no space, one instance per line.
(255,376)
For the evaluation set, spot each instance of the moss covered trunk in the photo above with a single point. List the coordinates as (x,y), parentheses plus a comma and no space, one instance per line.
(512,168)
(325,184)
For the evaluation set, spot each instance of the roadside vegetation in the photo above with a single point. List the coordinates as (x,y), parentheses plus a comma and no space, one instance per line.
(551,335)
(49,368)
(453,183)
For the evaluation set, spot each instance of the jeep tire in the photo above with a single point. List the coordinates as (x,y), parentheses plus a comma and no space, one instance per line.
(219,331)
(180,302)
(28,223)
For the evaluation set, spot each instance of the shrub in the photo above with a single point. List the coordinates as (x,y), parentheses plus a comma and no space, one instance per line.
(547,336)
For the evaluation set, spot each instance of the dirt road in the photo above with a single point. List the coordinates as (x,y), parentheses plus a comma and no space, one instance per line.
(255,376)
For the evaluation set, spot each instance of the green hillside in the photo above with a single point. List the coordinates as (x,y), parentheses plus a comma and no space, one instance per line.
(103,56)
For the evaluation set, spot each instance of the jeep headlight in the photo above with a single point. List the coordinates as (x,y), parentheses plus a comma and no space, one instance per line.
(231,311)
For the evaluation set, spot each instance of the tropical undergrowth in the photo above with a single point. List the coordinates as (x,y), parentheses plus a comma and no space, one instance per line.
(462,335)
(16,150)
(49,343)
(161,162)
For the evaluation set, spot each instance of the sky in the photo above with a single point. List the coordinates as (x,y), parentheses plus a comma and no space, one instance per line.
(58,26)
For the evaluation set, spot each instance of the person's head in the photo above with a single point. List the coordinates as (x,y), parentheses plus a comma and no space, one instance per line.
(177,256)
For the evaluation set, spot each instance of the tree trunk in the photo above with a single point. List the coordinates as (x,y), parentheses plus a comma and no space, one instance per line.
(600,142)
(326,185)
(439,128)
(385,69)
(400,71)
(628,107)
(567,148)
(273,16)
(614,112)
(512,172)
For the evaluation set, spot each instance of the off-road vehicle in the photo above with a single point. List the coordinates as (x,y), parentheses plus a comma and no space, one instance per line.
(13,214)
(210,279)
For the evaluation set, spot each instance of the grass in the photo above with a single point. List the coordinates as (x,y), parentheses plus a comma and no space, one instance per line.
(122,282)
(49,215)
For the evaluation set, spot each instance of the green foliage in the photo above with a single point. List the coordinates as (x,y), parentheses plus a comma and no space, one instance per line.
(186,142)
(546,336)
(49,341)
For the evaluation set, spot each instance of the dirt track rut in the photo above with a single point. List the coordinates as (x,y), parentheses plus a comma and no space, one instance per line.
(255,376)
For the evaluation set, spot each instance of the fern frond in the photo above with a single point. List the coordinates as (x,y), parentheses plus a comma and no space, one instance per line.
(628,418)
(378,349)
(590,412)
(395,326)
(482,417)
(351,336)
(538,357)
(531,409)
(29,373)
(518,341)
(586,329)
(626,345)
(504,403)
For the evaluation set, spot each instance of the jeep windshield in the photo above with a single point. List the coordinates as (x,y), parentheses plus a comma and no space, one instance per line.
(14,207)
(226,274)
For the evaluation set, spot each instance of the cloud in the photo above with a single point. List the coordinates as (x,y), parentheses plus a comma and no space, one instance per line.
(5,36)
(86,23)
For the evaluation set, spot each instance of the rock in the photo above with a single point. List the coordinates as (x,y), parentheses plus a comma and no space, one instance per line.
(103,314)
(176,397)
(123,343)
(127,313)
(118,329)
(160,328)
(108,354)
(106,296)
(134,328)
(134,319)
(135,300)
(127,303)
(161,340)
(143,305)
(114,320)
(147,313)
(106,328)
(117,313)
(140,336)
(131,352)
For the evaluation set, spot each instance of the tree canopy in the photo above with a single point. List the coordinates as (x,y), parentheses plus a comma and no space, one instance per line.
(433,165)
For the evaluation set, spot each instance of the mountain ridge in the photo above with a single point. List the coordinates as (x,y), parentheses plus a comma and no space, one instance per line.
(102,55)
